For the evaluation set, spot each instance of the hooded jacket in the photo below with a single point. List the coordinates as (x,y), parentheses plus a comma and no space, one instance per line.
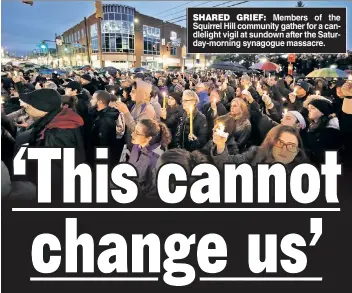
(323,139)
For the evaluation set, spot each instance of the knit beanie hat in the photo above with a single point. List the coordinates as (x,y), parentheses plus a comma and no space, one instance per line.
(86,77)
(323,105)
(177,97)
(304,85)
(179,88)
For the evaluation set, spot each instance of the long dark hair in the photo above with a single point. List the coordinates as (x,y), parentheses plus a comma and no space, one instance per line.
(320,124)
(265,151)
(158,131)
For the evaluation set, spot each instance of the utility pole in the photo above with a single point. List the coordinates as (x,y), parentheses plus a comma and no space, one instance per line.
(57,52)
(99,16)
(87,41)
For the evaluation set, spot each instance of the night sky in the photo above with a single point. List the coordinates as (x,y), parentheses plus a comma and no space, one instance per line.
(24,26)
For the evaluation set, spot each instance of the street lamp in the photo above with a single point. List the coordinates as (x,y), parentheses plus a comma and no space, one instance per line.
(136,20)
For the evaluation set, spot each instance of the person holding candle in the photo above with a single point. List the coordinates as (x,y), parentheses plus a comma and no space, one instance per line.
(238,124)
(281,145)
(246,83)
(298,96)
(192,130)
(142,109)
(171,114)
(262,123)
(214,109)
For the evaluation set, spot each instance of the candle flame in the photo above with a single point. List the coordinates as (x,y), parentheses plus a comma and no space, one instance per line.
(317,93)
(285,111)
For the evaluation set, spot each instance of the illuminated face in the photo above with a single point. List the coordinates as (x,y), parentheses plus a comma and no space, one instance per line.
(171,101)
(138,136)
(289,119)
(238,92)
(235,109)
(286,148)
(214,97)
(300,92)
(314,113)
(187,104)
(33,112)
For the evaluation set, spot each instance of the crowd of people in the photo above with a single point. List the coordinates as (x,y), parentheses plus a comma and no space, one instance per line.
(149,119)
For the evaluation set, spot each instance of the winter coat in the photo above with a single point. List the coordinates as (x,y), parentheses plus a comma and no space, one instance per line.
(297,105)
(203,99)
(323,139)
(157,108)
(209,114)
(16,189)
(200,130)
(173,115)
(11,105)
(20,115)
(227,96)
(144,160)
(8,134)
(91,88)
(103,131)
(60,128)
(276,98)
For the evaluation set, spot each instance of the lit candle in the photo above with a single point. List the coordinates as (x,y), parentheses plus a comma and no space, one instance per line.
(269,75)
(294,81)
(191,120)
(317,93)
(285,110)
(295,90)
(258,84)
(164,100)
(214,101)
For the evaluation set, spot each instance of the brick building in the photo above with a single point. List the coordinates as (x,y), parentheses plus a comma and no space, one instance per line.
(129,39)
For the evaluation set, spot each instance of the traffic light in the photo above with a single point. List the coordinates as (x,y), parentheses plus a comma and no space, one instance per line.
(98,9)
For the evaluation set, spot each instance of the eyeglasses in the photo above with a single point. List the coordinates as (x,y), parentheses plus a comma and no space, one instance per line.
(187,101)
(291,147)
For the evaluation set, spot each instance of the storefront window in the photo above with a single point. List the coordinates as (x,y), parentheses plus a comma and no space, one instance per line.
(117,28)
(173,51)
(151,37)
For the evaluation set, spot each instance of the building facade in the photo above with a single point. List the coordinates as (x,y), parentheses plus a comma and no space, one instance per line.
(129,39)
